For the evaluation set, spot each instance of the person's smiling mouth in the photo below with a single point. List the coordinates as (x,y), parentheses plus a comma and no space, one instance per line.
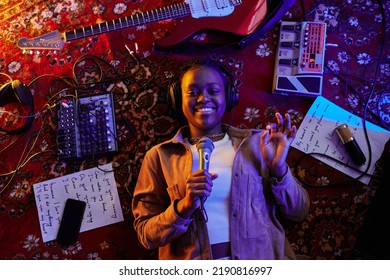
(204,109)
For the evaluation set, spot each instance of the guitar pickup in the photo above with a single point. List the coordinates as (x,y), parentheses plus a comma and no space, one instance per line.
(207,8)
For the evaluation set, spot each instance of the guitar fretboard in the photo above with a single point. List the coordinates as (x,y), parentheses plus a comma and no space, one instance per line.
(168,12)
(55,40)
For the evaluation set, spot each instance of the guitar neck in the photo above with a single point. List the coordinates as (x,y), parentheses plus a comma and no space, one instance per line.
(164,13)
(205,8)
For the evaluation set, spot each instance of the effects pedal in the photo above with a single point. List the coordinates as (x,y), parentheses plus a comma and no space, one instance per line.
(86,126)
(299,65)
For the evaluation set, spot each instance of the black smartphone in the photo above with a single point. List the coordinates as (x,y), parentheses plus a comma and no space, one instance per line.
(72,217)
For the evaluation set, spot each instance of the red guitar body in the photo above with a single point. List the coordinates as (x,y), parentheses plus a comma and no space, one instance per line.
(242,22)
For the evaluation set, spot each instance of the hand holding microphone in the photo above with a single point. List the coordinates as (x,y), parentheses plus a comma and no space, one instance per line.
(205,146)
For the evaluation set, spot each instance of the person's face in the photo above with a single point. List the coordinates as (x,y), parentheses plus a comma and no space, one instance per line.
(203,100)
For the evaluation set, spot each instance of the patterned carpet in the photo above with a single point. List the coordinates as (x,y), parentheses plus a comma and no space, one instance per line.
(357,69)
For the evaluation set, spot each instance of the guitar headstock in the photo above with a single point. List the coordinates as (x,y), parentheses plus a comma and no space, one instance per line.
(50,41)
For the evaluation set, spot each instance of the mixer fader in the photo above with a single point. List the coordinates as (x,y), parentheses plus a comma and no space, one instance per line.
(86,126)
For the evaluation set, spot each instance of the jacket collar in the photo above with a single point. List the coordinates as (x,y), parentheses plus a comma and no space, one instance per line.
(236,134)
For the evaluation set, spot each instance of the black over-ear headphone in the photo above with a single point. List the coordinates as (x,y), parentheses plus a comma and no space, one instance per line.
(175,95)
(16,91)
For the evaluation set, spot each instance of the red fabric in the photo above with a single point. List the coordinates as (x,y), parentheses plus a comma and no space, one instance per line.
(144,117)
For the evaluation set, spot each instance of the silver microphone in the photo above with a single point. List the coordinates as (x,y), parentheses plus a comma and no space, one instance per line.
(205,147)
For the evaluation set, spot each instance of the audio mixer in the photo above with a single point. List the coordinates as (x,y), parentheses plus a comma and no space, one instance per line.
(86,126)
(299,64)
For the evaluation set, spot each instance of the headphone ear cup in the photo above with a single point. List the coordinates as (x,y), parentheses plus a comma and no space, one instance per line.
(231,96)
(22,93)
(175,97)
(229,105)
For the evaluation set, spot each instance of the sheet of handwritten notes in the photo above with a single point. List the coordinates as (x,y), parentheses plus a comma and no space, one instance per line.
(95,186)
(316,135)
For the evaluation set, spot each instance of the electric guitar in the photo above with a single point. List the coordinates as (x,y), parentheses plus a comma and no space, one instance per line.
(226,16)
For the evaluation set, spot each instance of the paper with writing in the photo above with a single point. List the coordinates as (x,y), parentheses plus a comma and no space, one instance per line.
(316,134)
(94,186)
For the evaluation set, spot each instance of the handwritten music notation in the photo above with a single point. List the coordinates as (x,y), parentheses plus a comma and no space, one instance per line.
(317,134)
(95,186)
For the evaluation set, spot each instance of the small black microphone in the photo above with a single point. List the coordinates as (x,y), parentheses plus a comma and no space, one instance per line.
(350,144)
(205,147)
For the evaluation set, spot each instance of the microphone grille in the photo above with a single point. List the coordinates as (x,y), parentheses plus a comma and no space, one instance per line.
(344,133)
(205,143)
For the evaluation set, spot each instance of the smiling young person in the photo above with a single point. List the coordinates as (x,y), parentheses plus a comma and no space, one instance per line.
(231,210)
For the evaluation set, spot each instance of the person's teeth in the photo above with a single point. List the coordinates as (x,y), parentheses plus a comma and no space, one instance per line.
(205,109)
